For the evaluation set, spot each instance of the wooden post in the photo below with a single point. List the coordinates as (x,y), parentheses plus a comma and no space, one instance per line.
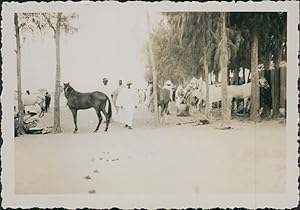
(154,73)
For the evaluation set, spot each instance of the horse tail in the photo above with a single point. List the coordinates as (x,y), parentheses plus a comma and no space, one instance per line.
(109,108)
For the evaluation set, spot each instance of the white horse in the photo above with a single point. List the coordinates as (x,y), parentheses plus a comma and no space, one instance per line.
(240,92)
(215,93)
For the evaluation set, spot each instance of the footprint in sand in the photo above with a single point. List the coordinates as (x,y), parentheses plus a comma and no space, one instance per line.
(87,177)
(96,171)
(92,191)
(115,159)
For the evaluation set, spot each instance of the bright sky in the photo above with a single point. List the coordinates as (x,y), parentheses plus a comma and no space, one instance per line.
(109,43)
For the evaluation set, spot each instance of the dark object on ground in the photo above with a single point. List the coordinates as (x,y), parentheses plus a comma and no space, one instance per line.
(87,177)
(115,159)
(203,122)
(225,128)
(34,131)
(183,110)
(92,191)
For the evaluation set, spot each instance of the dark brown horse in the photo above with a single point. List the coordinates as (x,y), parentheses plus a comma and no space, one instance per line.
(96,100)
(163,99)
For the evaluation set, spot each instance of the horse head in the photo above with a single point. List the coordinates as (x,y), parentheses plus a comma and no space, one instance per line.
(66,85)
(67,89)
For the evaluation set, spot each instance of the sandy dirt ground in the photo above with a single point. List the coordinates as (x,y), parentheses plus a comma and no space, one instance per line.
(172,159)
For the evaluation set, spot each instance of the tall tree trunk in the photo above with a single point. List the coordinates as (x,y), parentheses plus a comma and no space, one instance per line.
(21,127)
(56,126)
(244,77)
(275,84)
(283,72)
(267,60)
(226,112)
(282,87)
(154,73)
(208,104)
(254,77)
(216,75)
(236,75)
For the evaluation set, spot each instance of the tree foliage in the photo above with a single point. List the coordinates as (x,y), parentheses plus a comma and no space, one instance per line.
(180,38)
(29,24)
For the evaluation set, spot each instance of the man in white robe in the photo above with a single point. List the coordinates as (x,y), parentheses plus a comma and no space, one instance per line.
(116,93)
(127,101)
(107,90)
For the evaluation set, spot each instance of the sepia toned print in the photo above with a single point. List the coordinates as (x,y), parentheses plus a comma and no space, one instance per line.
(164,106)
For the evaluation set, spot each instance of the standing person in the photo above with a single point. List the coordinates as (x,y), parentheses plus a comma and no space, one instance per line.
(127,101)
(106,89)
(116,93)
(16,121)
(47,101)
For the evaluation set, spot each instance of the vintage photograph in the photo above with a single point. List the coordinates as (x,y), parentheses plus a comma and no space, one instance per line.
(112,100)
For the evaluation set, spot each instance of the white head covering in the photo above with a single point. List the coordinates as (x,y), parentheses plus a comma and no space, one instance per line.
(129,83)
(168,82)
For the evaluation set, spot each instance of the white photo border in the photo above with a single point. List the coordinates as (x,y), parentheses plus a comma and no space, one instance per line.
(285,200)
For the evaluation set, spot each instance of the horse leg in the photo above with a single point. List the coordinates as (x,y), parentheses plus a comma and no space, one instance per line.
(107,119)
(166,111)
(233,102)
(99,119)
(245,105)
(162,113)
(74,112)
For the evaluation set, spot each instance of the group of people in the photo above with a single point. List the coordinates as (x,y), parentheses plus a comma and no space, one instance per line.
(47,96)
(34,108)
(124,99)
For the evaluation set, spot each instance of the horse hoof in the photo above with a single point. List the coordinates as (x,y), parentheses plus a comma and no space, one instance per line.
(105,130)
(95,131)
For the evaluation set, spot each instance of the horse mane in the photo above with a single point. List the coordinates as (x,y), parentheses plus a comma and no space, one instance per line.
(69,90)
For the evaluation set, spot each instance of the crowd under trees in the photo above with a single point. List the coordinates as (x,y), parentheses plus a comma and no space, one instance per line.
(191,44)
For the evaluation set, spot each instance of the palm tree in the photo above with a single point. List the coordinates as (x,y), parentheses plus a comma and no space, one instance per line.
(56,126)
(154,76)
(254,76)
(226,112)
(43,22)
(266,34)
